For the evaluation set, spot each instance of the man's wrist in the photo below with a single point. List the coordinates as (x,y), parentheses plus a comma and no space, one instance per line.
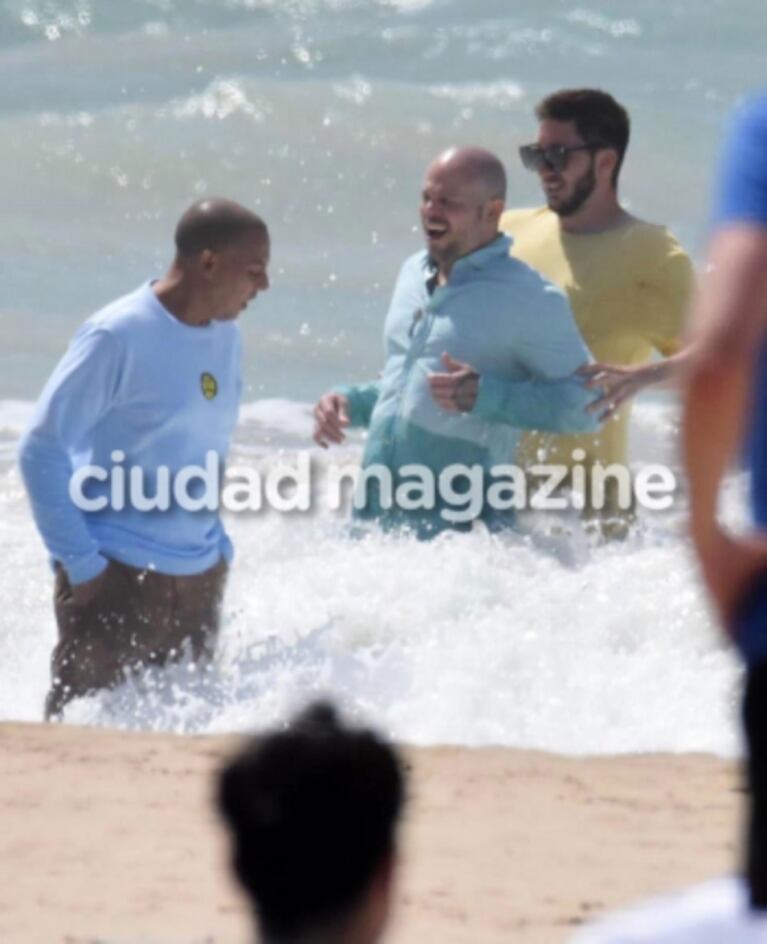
(653,373)
(707,534)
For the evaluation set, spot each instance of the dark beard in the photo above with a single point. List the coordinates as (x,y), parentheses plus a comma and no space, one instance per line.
(583,190)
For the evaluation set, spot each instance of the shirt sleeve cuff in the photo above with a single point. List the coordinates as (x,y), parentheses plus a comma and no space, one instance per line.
(84,569)
(490,398)
(353,400)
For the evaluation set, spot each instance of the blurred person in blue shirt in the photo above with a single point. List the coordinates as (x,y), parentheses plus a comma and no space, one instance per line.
(725,407)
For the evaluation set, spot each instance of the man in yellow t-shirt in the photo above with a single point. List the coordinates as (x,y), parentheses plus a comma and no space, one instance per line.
(628,281)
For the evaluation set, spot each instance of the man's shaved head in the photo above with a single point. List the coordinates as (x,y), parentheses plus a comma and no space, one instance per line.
(461,204)
(477,166)
(216,224)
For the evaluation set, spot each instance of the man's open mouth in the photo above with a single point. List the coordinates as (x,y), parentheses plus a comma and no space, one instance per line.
(435,230)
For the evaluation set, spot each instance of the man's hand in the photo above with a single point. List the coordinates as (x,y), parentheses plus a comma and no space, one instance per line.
(85,593)
(730,564)
(331,416)
(618,384)
(456,391)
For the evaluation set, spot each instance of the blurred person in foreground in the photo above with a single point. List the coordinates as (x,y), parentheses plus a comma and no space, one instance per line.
(478,346)
(725,410)
(313,812)
(629,281)
(149,388)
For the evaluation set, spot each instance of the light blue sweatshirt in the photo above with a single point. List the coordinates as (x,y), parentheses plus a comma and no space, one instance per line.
(137,380)
(514,328)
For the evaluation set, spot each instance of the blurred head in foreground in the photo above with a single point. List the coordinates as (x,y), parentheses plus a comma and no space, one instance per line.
(313,812)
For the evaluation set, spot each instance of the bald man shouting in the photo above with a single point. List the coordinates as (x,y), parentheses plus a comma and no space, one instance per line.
(478,346)
(147,393)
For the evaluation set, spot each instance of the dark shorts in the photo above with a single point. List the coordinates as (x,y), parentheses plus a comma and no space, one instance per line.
(749,625)
(138,618)
(749,632)
(755,727)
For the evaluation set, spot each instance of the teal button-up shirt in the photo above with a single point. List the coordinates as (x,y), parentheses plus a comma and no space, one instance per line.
(515,329)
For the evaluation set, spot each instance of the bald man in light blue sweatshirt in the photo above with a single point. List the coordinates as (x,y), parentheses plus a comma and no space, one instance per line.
(149,387)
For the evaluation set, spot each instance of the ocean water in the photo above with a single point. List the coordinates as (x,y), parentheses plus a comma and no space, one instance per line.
(322,114)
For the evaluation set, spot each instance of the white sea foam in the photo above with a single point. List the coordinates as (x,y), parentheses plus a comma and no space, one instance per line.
(500,94)
(604,24)
(356,90)
(14,416)
(406,6)
(222,98)
(323,114)
(465,640)
(540,639)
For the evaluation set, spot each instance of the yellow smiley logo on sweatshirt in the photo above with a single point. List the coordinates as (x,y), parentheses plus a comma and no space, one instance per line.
(209,386)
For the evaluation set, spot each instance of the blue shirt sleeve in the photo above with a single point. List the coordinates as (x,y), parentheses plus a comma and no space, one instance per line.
(552,399)
(362,400)
(78,395)
(742,185)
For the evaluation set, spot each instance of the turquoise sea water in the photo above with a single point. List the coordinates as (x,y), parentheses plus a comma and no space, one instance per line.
(322,114)
(115,114)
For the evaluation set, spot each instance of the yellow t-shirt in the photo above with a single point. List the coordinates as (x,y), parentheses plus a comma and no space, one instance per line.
(628,288)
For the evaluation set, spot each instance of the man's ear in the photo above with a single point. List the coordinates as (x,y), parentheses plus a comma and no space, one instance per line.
(208,262)
(494,210)
(606,162)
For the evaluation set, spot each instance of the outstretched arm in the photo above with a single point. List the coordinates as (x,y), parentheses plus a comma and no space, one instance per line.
(553,398)
(730,322)
(342,408)
(552,406)
(667,293)
(730,325)
(616,385)
(546,405)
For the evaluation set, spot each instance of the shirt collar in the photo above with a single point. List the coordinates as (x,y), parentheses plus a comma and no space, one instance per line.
(479,259)
(486,255)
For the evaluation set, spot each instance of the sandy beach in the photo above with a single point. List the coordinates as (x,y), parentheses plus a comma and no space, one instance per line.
(110,837)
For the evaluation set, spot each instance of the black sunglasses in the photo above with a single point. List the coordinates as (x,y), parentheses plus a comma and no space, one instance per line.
(554,157)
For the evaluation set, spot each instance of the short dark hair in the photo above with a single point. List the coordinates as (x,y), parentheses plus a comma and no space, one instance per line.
(598,117)
(216,224)
(313,811)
